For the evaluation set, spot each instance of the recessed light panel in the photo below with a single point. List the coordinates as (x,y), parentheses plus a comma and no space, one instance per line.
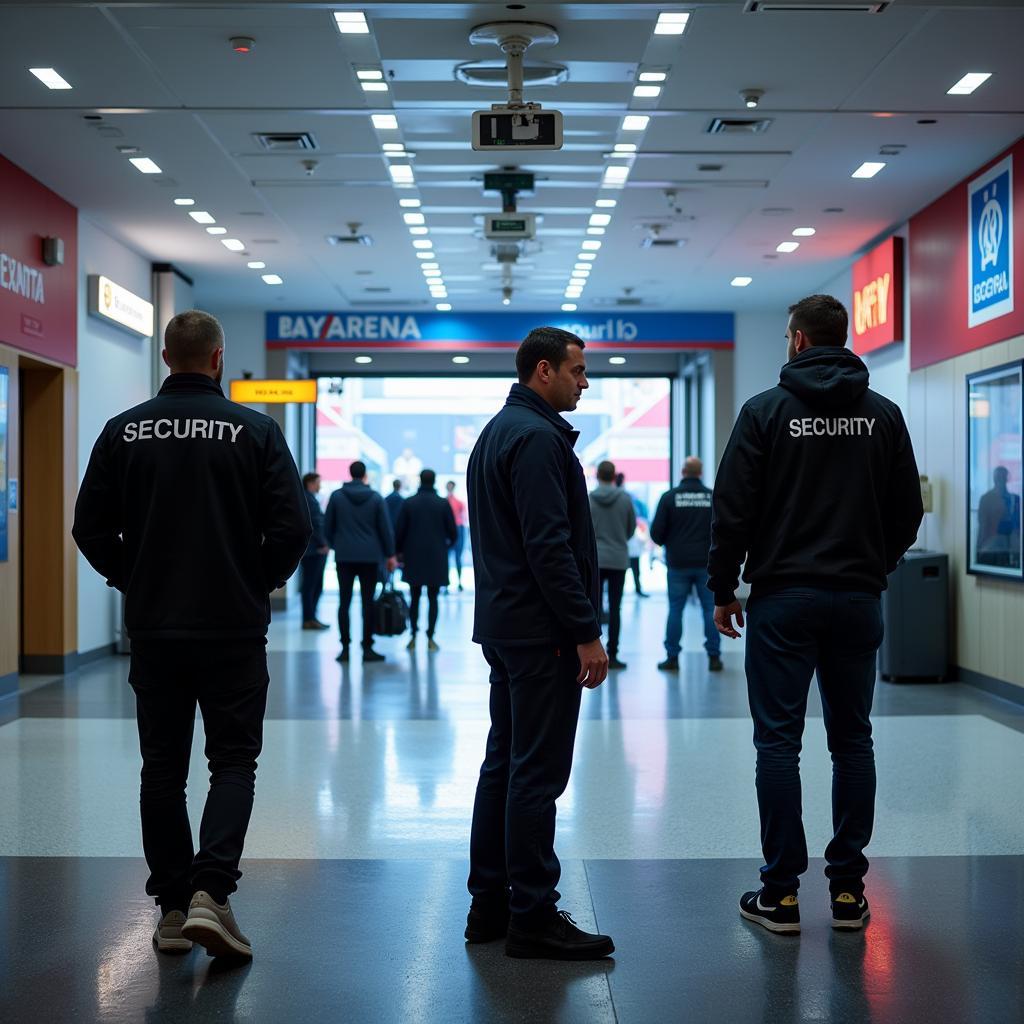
(969,83)
(351,23)
(444,307)
(144,165)
(256,265)
(184,202)
(652,76)
(803,232)
(50,78)
(647,92)
(787,247)
(202,217)
(272,279)
(635,122)
(606,204)
(384,122)
(234,244)
(868,169)
(671,23)
(568,307)
(740,282)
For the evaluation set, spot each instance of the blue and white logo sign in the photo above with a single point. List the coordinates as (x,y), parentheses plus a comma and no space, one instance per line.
(990,244)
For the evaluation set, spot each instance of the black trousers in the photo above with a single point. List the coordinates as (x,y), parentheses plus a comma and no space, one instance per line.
(634,568)
(457,548)
(311,584)
(415,591)
(534,704)
(228,681)
(367,573)
(790,634)
(615,579)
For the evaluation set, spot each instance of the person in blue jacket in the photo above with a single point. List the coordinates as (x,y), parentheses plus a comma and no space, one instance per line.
(358,527)
(311,570)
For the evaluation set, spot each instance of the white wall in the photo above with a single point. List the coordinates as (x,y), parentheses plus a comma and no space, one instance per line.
(114,373)
(244,345)
(759,353)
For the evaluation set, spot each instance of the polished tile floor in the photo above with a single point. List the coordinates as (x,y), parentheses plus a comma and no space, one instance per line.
(354,887)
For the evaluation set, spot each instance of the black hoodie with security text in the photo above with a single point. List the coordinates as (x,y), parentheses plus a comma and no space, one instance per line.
(818,485)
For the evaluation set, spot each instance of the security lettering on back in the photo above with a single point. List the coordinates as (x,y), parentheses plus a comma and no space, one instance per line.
(693,499)
(834,426)
(160,430)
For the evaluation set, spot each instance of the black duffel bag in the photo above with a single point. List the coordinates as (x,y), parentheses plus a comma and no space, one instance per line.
(390,611)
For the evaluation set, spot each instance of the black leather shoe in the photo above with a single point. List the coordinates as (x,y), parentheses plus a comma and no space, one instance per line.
(557,939)
(714,663)
(369,654)
(486,923)
(669,665)
(613,662)
(343,656)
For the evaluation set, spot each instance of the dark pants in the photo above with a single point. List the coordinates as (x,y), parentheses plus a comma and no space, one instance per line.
(457,548)
(367,573)
(791,633)
(680,583)
(229,681)
(535,703)
(616,581)
(311,584)
(634,568)
(416,589)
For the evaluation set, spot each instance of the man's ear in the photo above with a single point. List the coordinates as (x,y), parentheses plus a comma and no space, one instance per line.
(218,358)
(167,361)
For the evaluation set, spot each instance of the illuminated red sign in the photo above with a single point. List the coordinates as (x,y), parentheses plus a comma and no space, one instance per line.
(877,314)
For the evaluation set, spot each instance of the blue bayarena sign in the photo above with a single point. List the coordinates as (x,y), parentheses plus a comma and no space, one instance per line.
(339,330)
(990,244)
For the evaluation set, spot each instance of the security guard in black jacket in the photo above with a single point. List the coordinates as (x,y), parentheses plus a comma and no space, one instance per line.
(819,492)
(537,600)
(192,507)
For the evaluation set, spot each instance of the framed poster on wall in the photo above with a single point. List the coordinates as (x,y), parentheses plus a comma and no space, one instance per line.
(4,511)
(995,406)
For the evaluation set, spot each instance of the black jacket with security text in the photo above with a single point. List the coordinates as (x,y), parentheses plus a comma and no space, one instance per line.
(818,485)
(192,506)
(534,551)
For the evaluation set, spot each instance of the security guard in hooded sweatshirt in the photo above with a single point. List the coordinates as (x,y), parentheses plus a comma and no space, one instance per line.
(818,491)
(192,507)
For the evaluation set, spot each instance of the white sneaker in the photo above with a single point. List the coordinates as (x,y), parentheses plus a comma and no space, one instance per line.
(168,938)
(213,926)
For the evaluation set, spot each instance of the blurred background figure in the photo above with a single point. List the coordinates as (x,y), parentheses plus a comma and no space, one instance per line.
(638,542)
(311,578)
(458,508)
(394,501)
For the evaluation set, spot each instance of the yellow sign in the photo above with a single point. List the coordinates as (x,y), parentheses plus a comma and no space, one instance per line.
(259,392)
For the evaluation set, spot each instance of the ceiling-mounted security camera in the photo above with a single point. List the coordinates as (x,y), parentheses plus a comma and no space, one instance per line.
(243,44)
(751,97)
(506,296)
(310,166)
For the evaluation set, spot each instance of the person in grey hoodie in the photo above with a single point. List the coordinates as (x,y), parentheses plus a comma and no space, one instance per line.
(614,523)
(358,527)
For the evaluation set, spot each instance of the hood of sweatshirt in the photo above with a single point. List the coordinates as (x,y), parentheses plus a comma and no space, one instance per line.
(357,493)
(606,494)
(827,377)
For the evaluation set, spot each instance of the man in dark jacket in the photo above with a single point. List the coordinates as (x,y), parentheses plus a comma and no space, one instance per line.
(311,574)
(394,502)
(535,562)
(191,506)
(357,526)
(818,490)
(614,516)
(682,524)
(426,530)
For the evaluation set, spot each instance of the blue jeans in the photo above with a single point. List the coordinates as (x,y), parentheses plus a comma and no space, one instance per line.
(790,634)
(680,583)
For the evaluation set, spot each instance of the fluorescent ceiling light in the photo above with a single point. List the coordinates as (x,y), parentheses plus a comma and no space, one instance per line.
(144,165)
(414,218)
(647,92)
(202,217)
(595,231)
(430,266)
(635,122)
(374,86)
(671,23)
(351,23)
(461,360)
(607,204)
(393,147)
(573,293)
(234,244)
(616,360)
(384,122)
(740,282)
(586,256)
(787,247)
(184,202)
(803,232)
(409,204)
(568,307)
(50,78)
(364,360)
(370,75)
(868,169)
(616,174)
(582,266)
(964,87)
(431,273)
(272,279)
(652,76)
(217,231)
(425,255)
(590,243)
(444,307)
(256,265)
(422,243)
(401,174)
(599,220)
(625,147)
(419,231)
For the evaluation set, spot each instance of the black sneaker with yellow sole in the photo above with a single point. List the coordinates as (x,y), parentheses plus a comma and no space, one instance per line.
(848,911)
(780,915)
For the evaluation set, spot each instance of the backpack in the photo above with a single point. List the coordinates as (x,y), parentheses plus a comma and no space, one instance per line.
(390,611)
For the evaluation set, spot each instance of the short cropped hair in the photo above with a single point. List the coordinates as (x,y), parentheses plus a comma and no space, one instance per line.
(822,318)
(396,485)
(357,470)
(427,478)
(309,478)
(606,472)
(191,338)
(550,343)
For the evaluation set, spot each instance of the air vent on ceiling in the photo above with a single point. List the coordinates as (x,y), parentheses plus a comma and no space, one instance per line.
(662,243)
(352,239)
(286,142)
(815,6)
(377,290)
(739,125)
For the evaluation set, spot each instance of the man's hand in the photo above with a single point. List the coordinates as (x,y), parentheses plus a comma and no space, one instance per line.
(593,664)
(392,564)
(723,619)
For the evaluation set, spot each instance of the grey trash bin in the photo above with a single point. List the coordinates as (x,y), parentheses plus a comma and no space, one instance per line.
(915,610)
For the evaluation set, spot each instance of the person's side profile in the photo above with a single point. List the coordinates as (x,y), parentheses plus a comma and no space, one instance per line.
(682,524)
(536,616)
(311,571)
(358,528)
(818,492)
(192,507)
(425,532)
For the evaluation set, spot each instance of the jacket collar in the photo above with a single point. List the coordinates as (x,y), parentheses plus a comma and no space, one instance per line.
(526,397)
(691,483)
(190,383)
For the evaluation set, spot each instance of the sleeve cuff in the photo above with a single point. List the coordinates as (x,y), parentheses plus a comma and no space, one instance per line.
(587,634)
(723,598)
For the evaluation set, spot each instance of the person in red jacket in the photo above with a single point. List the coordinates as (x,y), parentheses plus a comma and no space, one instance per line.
(458,508)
